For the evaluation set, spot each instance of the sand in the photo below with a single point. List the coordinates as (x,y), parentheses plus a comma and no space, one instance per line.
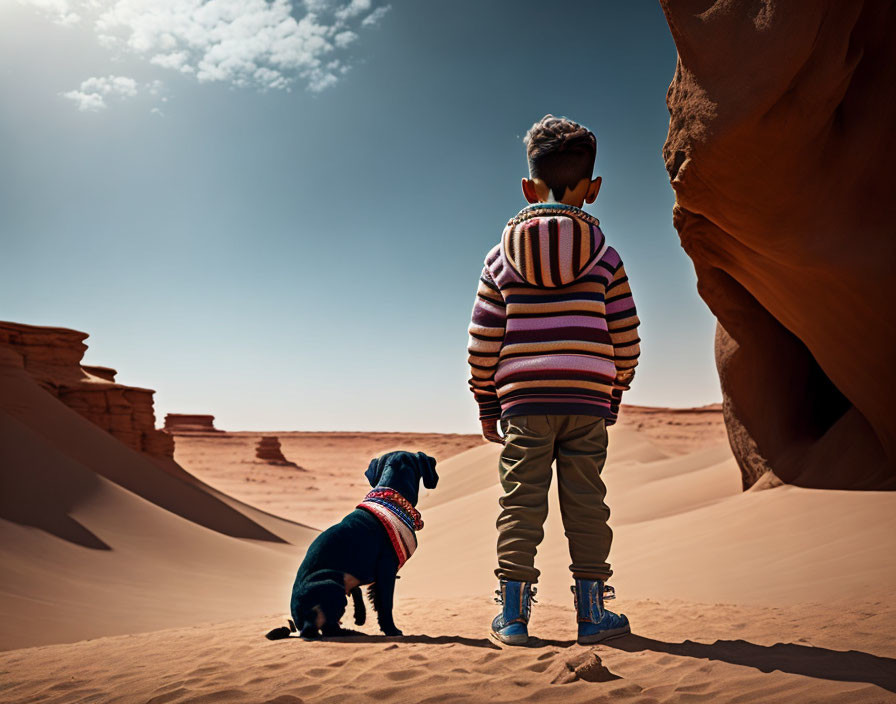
(330,473)
(138,581)
(98,539)
(681,654)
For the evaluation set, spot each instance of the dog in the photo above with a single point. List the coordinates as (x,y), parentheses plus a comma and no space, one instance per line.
(367,547)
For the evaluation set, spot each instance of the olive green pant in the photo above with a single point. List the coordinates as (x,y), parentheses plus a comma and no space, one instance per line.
(579,446)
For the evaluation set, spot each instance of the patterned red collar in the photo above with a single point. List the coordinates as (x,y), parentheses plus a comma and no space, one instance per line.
(397,504)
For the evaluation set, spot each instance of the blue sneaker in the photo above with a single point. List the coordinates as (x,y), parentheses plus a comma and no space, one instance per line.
(511,625)
(595,622)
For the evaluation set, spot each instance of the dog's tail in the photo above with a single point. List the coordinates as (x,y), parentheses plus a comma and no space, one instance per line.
(282,632)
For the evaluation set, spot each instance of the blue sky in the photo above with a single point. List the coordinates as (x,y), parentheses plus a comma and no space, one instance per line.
(280,220)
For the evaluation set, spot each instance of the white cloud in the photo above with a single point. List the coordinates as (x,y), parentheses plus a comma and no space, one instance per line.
(375,16)
(244,43)
(176,60)
(86,102)
(257,43)
(91,94)
(111,85)
(344,38)
(353,9)
(60,11)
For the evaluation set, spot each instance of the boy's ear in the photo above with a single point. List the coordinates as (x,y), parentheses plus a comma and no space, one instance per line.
(593,190)
(529,191)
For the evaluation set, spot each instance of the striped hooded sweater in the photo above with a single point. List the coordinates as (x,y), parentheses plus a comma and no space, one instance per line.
(553,319)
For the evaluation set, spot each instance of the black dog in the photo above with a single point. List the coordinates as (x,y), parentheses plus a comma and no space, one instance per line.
(364,548)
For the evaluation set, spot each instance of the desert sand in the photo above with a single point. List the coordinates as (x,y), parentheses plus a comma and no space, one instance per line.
(329,471)
(138,565)
(162,590)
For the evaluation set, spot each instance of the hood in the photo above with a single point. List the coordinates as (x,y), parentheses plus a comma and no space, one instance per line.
(551,244)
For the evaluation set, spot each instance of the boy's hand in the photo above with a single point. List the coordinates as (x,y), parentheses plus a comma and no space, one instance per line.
(624,378)
(490,431)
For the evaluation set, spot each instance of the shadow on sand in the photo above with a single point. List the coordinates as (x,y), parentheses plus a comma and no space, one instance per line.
(357,637)
(810,661)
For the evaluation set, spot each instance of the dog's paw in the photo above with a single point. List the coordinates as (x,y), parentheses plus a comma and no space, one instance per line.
(393,632)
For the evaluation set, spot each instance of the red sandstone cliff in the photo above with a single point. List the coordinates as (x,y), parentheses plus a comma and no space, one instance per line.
(781,150)
(52,356)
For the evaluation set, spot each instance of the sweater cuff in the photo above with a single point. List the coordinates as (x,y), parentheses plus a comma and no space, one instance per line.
(490,410)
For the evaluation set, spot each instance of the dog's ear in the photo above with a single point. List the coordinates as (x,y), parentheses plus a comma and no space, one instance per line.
(374,470)
(428,470)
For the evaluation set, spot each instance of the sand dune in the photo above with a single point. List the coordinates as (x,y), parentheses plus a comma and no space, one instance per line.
(98,539)
(333,464)
(783,595)
(683,530)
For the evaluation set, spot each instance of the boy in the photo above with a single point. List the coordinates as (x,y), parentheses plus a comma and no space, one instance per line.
(553,343)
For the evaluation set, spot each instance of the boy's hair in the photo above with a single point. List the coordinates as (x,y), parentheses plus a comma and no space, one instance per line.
(561,153)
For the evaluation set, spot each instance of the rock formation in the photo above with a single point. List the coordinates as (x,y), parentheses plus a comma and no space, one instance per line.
(190,423)
(106,373)
(781,151)
(268,450)
(52,356)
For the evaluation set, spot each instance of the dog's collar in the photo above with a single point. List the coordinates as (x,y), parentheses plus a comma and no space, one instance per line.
(399,518)
(399,505)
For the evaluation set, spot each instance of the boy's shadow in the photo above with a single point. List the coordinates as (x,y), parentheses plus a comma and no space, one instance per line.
(810,661)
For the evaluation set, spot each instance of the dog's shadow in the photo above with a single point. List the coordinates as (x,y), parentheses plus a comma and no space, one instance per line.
(358,637)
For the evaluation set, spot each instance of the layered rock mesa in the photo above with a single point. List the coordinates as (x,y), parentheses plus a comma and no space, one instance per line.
(52,356)
(268,450)
(190,423)
(781,152)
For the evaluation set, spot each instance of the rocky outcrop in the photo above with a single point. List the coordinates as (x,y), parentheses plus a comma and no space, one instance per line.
(106,373)
(190,423)
(52,356)
(780,150)
(268,450)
